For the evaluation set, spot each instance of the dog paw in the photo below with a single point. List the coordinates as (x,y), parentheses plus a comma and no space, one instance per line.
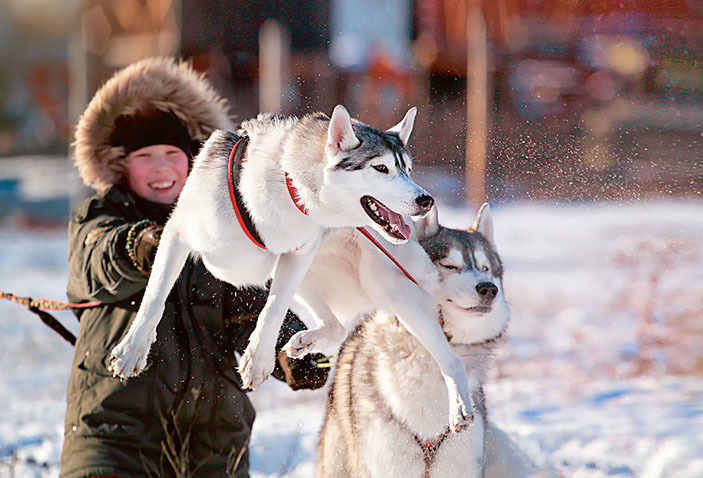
(299,345)
(459,418)
(314,340)
(126,362)
(255,369)
(462,421)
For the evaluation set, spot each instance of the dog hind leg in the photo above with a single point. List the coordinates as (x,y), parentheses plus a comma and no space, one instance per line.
(129,357)
(259,357)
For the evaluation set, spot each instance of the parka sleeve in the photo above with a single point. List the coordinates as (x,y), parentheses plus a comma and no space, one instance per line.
(98,263)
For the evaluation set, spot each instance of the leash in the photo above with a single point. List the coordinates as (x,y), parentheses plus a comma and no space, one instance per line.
(39,306)
(46,304)
(368,236)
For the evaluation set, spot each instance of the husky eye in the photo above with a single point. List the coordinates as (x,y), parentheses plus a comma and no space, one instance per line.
(381,168)
(484,269)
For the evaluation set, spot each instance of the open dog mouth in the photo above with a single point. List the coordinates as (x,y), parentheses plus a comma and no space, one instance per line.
(391,222)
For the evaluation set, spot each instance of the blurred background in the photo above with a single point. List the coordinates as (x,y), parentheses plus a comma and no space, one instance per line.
(580,121)
(556,100)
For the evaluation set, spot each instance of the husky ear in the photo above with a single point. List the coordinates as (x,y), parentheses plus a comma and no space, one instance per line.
(426,226)
(405,127)
(484,223)
(340,134)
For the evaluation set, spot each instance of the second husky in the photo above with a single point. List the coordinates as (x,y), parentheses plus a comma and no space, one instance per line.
(386,415)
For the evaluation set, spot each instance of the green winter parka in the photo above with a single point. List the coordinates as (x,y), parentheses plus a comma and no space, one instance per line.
(186,414)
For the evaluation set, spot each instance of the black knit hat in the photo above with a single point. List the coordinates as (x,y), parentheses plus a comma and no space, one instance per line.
(162,84)
(150,127)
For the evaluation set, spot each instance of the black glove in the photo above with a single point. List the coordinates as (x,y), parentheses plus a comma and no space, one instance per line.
(301,373)
(297,373)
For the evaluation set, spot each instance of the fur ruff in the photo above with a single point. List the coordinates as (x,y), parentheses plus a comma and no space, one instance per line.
(161,83)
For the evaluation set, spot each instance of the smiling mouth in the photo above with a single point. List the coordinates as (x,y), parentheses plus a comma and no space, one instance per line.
(391,222)
(162,185)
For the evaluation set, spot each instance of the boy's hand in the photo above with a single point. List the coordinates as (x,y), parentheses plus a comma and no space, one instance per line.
(145,246)
(302,373)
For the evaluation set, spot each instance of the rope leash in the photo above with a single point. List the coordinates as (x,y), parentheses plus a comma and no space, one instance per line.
(39,306)
(45,304)
(368,236)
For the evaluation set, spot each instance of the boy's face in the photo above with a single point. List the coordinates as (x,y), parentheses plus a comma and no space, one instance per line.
(157,172)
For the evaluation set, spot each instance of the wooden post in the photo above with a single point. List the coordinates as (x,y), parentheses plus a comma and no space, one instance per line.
(79,80)
(274,52)
(476,103)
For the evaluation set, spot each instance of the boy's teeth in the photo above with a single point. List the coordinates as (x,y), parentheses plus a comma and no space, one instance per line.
(162,185)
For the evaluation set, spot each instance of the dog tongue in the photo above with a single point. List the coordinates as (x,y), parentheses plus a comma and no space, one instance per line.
(397,220)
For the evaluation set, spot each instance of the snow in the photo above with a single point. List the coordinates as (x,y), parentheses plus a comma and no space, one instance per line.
(601,374)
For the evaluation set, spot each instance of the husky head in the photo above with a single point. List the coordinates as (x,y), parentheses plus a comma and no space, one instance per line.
(367,171)
(471,276)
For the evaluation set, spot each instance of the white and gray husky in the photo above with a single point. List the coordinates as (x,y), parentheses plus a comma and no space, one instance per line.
(298,178)
(386,414)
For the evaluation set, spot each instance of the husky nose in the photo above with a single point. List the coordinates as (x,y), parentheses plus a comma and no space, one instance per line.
(425,202)
(487,290)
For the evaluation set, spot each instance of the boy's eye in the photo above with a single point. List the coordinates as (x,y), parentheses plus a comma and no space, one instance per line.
(381,168)
(451,267)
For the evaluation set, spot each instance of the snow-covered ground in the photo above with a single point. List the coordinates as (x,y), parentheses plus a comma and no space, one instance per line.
(602,372)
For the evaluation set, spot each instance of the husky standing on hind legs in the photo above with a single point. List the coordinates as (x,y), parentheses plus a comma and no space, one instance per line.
(298,177)
(386,415)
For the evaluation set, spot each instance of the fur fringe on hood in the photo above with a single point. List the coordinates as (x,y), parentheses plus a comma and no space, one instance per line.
(160,83)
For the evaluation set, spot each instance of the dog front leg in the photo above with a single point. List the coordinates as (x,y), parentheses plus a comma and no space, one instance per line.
(418,316)
(259,360)
(129,357)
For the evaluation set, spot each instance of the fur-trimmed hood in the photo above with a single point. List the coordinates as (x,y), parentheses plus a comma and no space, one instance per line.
(161,83)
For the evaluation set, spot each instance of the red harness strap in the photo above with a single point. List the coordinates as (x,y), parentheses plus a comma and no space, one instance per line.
(429,450)
(295,195)
(232,193)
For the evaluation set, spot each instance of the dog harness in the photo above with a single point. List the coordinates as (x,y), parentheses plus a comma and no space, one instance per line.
(429,447)
(234,170)
(237,158)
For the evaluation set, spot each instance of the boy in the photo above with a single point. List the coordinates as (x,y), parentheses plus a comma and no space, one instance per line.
(186,415)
